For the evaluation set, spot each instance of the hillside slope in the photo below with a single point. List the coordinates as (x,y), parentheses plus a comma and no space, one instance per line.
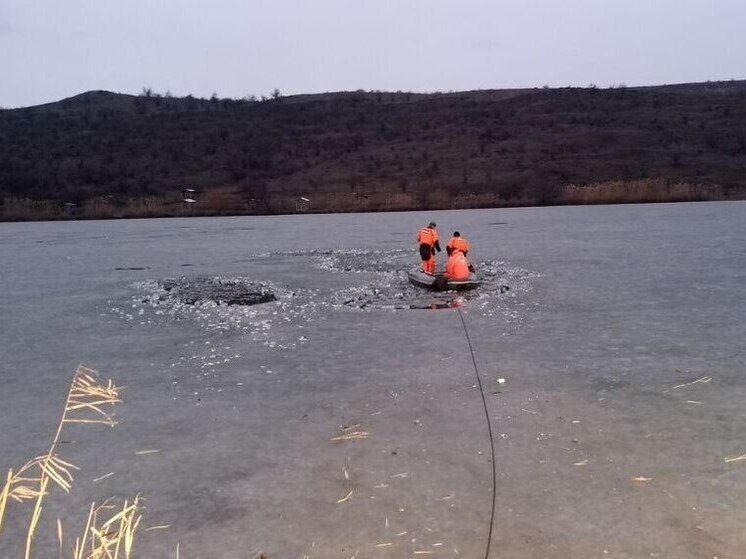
(112,153)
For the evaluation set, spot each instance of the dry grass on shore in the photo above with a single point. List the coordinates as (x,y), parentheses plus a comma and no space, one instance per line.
(640,191)
(111,526)
(224,201)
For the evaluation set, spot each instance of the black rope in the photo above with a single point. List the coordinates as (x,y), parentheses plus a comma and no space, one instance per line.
(489,429)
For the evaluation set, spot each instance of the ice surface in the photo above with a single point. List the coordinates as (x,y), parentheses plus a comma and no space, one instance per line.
(609,309)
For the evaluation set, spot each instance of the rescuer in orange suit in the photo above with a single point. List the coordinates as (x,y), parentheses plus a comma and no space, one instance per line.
(428,239)
(457,267)
(457,242)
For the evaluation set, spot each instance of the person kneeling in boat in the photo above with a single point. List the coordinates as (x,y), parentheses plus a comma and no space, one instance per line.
(457,267)
(457,242)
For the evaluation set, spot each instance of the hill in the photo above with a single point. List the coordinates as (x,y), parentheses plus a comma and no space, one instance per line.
(112,154)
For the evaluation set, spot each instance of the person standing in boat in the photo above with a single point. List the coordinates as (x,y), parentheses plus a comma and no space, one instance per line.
(457,242)
(427,237)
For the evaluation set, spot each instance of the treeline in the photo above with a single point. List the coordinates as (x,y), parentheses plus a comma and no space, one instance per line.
(364,150)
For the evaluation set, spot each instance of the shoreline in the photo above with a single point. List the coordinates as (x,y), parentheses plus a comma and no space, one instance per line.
(647,192)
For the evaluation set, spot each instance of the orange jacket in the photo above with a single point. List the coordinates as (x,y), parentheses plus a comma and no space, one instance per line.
(427,236)
(457,267)
(458,243)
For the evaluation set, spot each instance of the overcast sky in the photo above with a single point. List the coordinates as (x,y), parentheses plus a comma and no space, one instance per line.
(54,49)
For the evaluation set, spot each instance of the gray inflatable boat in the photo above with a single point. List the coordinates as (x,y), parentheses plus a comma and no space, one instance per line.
(439,282)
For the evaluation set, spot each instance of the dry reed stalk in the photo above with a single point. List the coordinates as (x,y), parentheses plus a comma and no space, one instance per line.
(84,404)
(88,401)
(4,494)
(115,535)
(159,527)
(346,497)
(25,486)
(702,380)
(36,514)
(355,435)
(103,477)
(59,534)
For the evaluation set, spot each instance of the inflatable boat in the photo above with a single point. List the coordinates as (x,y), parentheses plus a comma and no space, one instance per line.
(439,282)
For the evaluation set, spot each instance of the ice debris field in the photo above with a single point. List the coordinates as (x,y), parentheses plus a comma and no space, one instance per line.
(338,281)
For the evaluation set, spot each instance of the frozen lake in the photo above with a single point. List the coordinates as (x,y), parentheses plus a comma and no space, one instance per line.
(604,444)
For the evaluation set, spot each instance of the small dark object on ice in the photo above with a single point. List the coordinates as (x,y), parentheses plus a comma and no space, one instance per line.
(133,268)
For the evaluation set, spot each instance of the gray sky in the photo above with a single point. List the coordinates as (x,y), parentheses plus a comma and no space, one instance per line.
(54,49)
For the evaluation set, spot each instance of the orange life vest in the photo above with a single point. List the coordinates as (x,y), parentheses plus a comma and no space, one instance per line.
(458,243)
(427,236)
(457,267)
